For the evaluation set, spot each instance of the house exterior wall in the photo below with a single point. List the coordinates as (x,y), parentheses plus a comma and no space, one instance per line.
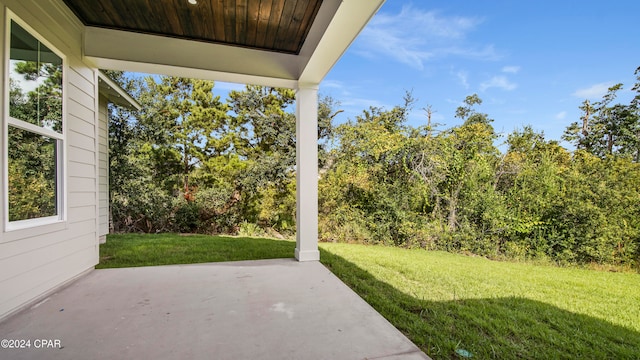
(36,260)
(103,169)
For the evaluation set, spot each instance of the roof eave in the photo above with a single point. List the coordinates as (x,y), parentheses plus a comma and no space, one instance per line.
(337,24)
(115,93)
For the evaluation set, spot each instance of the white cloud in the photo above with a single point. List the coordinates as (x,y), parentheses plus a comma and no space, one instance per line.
(593,91)
(561,115)
(487,52)
(414,36)
(463,76)
(500,82)
(511,69)
(334,84)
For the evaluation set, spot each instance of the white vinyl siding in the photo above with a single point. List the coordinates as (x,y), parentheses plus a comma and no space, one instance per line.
(34,261)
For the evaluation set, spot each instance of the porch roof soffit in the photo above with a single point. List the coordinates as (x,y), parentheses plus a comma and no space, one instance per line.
(284,43)
(116,94)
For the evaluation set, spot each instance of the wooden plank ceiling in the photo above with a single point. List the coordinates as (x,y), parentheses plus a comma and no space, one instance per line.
(273,25)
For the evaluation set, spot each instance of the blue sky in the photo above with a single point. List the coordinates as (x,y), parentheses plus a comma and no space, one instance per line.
(532,62)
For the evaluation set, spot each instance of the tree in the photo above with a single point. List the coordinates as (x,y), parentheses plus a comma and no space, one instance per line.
(381,180)
(608,128)
(262,132)
(192,118)
(579,133)
(265,132)
(365,194)
(472,146)
(635,109)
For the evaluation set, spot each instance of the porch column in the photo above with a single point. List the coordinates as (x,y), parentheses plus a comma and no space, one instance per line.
(307,173)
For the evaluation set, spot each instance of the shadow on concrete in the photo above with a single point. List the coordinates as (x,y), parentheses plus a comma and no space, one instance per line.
(500,328)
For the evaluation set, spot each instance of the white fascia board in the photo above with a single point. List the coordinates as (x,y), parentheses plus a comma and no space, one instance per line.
(123,50)
(115,93)
(349,20)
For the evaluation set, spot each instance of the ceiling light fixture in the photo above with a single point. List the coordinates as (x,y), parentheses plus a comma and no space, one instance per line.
(193,2)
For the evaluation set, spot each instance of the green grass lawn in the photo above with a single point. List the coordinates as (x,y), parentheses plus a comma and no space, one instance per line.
(129,250)
(445,302)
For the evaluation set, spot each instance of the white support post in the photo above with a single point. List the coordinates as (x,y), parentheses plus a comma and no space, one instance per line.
(307,173)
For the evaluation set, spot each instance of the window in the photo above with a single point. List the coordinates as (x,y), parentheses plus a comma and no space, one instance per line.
(33,130)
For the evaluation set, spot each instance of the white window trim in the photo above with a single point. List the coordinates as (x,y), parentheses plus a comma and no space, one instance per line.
(20,124)
(61,139)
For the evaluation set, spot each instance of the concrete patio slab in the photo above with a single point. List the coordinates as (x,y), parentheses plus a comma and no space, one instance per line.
(267,309)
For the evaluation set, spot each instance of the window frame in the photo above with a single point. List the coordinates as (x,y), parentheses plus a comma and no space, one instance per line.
(59,138)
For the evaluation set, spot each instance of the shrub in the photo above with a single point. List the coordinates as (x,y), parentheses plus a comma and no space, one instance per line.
(250,229)
(186,216)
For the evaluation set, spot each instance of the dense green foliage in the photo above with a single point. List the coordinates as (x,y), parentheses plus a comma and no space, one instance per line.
(454,190)
(190,162)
